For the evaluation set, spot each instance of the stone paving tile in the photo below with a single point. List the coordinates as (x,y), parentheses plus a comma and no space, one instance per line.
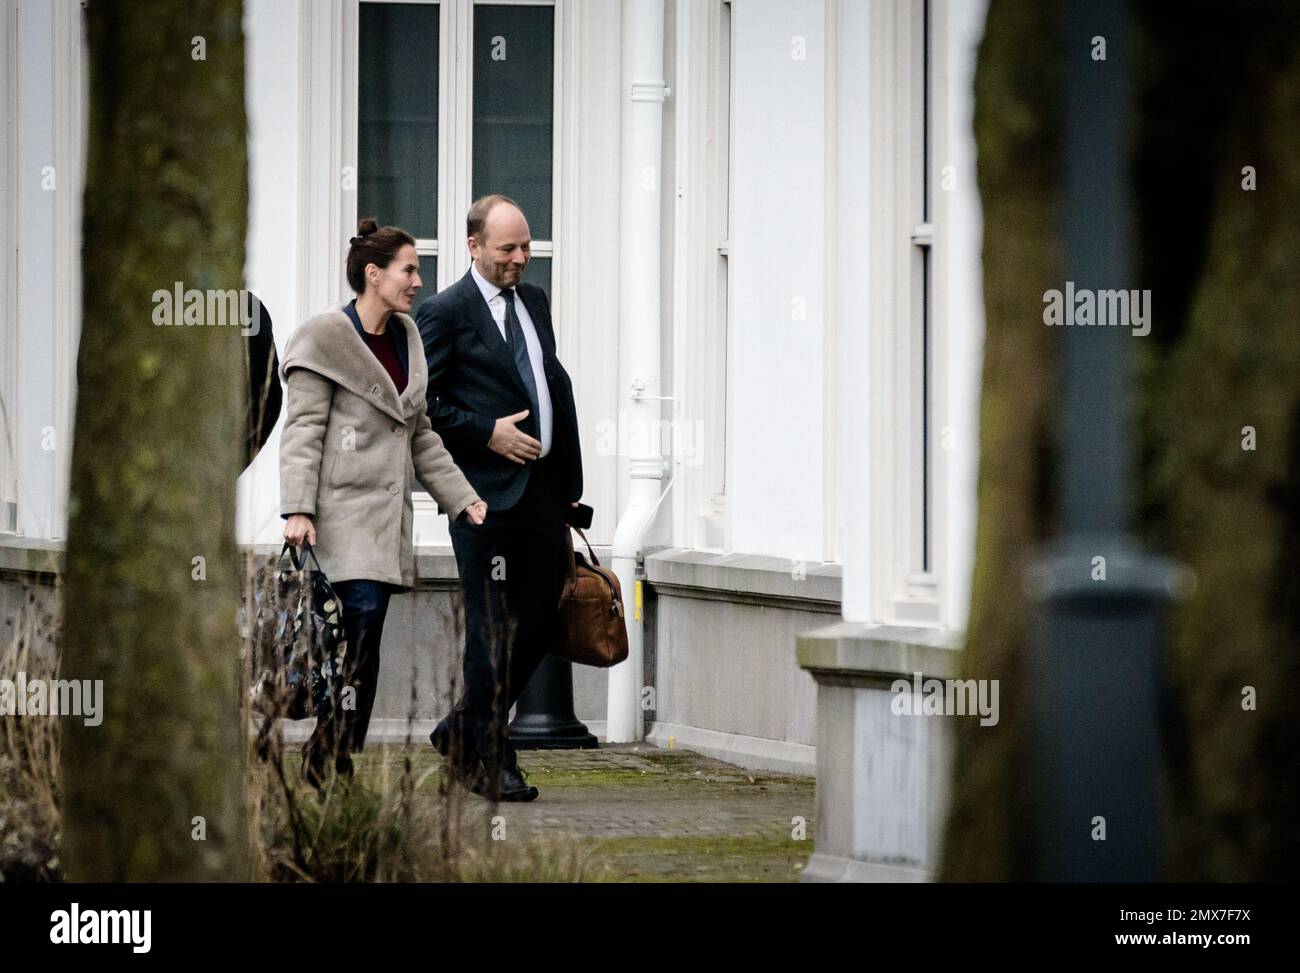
(644,813)
(654,814)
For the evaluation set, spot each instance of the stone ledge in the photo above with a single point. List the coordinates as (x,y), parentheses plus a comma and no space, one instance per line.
(857,653)
(36,556)
(769,580)
(743,750)
(30,555)
(825,867)
(393,731)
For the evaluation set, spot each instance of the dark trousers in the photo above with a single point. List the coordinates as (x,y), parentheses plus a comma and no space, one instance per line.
(512,570)
(342,729)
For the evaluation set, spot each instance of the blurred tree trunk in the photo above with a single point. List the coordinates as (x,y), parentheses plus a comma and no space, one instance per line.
(1219,90)
(158,444)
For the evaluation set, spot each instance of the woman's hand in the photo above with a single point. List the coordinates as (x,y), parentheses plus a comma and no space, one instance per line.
(299,528)
(476,512)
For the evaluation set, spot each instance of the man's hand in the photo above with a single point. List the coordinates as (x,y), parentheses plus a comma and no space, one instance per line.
(477,511)
(514,445)
(299,528)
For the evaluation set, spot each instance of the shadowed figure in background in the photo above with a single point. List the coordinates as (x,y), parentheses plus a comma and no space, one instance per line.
(262,382)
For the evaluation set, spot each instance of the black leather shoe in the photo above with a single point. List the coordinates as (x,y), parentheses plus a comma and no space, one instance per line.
(468,771)
(512,785)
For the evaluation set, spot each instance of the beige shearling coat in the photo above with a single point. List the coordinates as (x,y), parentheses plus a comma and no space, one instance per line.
(351,449)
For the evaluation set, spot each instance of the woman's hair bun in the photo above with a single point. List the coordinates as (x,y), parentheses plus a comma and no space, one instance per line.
(373,244)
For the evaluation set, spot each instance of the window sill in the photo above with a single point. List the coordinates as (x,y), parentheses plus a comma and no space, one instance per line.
(777,581)
(859,653)
(30,555)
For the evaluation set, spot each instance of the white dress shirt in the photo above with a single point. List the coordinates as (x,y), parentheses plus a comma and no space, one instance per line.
(497,305)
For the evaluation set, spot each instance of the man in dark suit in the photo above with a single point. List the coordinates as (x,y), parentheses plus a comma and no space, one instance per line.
(503,405)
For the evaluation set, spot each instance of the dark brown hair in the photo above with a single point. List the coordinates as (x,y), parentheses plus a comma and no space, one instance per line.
(476,219)
(373,244)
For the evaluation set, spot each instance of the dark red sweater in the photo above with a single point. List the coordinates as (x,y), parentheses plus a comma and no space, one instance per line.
(382,347)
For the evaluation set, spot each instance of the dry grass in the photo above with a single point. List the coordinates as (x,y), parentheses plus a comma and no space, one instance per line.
(29,757)
(387,825)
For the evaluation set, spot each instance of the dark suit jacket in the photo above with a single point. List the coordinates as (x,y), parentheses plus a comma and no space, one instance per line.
(473,382)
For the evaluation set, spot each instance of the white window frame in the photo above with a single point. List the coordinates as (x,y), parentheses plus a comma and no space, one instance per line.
(455,128)
(9,267)
(37,505)
(585,202)
(71,111)
(903,593)
(329,120)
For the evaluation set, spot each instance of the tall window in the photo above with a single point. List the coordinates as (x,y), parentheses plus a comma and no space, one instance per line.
(922,305)
(431,109)
(397,133)
(907,373)
(514,116)
(721,101)
(918,598)
(397,124)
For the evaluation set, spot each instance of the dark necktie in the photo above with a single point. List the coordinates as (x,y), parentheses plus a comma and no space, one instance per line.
(519,348)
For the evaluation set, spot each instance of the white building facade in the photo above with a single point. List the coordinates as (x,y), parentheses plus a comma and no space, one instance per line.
(759,227)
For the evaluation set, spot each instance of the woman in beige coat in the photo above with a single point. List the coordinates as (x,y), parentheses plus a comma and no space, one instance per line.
(355,437)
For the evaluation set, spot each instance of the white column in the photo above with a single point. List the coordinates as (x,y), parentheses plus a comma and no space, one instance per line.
(271,266)
(777,370)
(37,439)
(639,324)
(850,196)
(963,218)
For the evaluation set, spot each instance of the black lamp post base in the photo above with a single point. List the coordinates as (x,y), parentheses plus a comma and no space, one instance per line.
(541,735)
(544,717)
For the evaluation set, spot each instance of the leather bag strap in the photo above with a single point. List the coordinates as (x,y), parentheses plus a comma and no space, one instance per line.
(588,543)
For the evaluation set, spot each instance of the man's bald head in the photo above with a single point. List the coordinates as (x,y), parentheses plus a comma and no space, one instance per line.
(499,239)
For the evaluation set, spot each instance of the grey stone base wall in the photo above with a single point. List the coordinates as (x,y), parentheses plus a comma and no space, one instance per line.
(30,597)
(726,681)
(420,654)
(882,775)
(719,631)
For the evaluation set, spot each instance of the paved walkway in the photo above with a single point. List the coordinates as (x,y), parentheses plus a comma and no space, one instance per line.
(650,814)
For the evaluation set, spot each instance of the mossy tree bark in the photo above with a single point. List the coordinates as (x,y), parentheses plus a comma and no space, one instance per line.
(1219,90)
(158,444)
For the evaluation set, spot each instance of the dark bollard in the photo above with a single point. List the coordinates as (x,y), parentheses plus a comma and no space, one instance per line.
(1095,676)
(544,717)
(1099,601)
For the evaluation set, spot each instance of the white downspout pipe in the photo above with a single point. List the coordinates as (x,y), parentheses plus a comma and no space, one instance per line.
(644,92)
